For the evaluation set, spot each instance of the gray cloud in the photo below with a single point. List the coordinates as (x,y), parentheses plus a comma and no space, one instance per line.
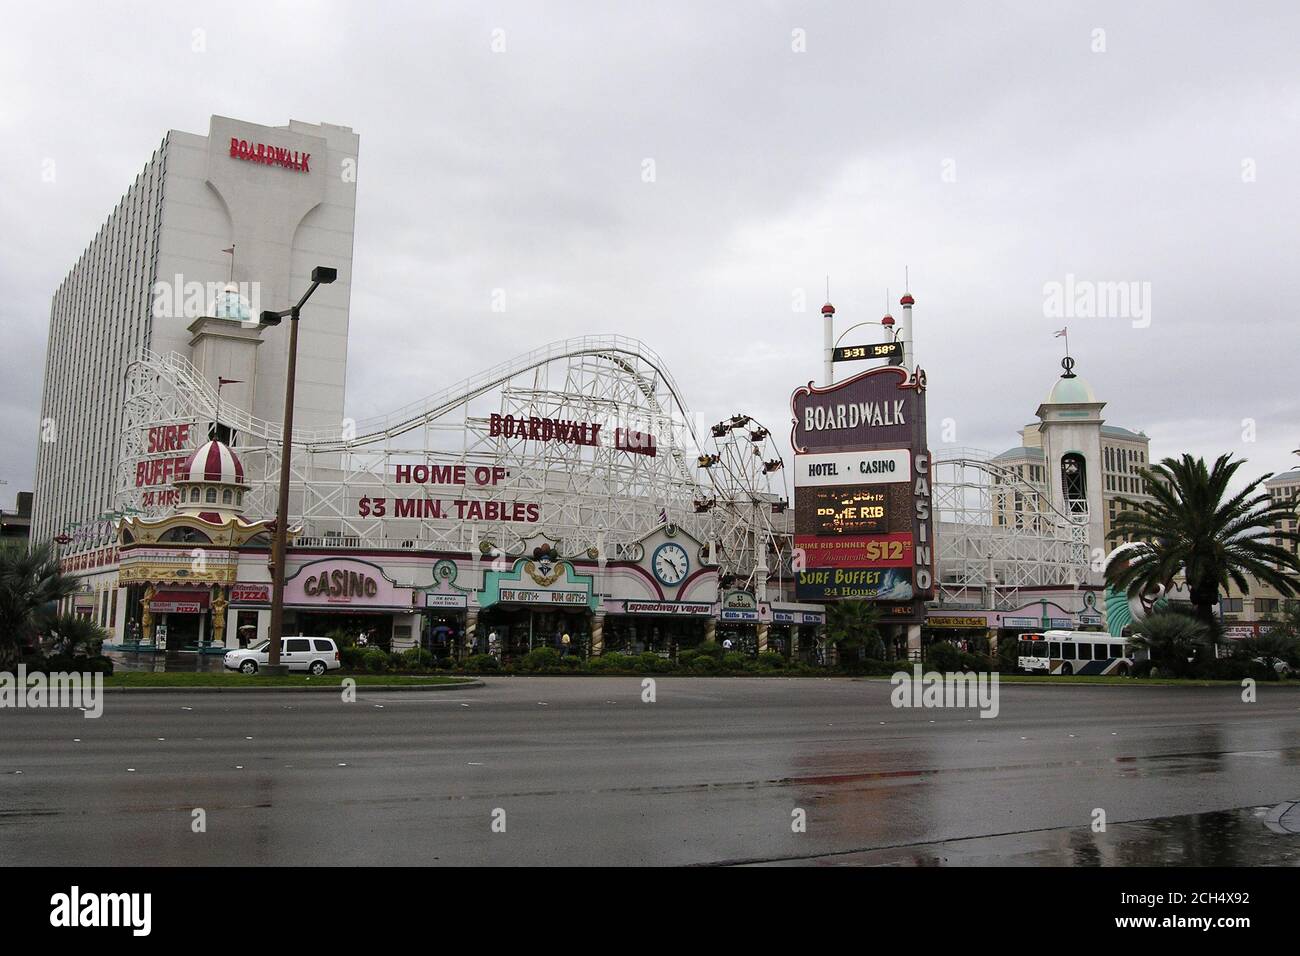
(522,171)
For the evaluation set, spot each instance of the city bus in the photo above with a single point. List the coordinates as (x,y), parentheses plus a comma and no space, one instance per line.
(1074,652)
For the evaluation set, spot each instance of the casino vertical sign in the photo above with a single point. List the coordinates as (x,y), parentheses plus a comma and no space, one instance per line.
(864,526)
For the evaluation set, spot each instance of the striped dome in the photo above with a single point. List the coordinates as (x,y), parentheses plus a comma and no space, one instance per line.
(213,462)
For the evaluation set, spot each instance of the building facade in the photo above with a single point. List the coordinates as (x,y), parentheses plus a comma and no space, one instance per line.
(16,525)
(1030,562)
(1253,612)
(199,577)
(252,205)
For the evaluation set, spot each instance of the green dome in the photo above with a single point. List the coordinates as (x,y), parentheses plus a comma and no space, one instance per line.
(1071,391)
(231,305)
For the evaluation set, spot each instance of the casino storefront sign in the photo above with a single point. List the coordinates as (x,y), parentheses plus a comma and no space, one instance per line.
(349,593)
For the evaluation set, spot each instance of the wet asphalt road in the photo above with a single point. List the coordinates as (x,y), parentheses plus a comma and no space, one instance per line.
(711,772)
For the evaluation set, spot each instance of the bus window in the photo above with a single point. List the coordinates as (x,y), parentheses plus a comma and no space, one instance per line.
(1102,652)
(1083,652)
(1055,648)
(1117,650)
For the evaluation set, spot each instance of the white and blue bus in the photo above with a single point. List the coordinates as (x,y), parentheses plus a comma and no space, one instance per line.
(1075,652)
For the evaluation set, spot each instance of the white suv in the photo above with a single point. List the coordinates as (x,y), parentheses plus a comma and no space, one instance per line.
(300,652)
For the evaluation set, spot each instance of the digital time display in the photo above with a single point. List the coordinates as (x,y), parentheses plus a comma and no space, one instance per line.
(852,353)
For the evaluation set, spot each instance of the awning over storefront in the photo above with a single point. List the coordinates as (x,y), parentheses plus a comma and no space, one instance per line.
(179,601)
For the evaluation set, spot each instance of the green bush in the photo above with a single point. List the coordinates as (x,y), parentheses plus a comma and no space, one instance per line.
(416,659)
(61,663)
(734,661)
(352,657)
(1144,668)
(687,657)
(482,662)
(943,656)
(1234,668)
(540,659)
(702,664)
(376,660)
(70,635)
(770,661)
(649,662)
(613,661)
(709,649)
(342,638)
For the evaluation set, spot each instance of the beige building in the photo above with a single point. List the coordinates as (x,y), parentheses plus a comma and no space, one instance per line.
(1122,453)
(1244,612)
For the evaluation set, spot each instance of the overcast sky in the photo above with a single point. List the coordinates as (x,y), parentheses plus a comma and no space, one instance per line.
(991,148)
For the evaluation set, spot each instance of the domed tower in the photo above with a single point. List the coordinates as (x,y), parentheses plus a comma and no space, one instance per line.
(1070,429)
(231,305)
(211,484)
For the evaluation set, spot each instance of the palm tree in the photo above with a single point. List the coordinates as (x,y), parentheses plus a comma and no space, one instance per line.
(854,626)
(1171,637)
(72,635)
(1194,528)
(29,581)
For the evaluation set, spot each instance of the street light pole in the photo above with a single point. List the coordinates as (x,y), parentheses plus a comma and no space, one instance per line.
(321,275)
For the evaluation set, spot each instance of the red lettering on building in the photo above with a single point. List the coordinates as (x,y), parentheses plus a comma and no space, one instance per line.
(270,155)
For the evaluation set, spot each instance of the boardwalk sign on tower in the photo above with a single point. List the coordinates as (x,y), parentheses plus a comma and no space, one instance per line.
(863,522)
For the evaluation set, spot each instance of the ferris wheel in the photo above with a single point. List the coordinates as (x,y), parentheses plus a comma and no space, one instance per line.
(744,484)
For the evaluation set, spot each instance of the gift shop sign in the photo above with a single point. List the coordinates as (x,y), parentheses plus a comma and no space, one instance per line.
(541,581)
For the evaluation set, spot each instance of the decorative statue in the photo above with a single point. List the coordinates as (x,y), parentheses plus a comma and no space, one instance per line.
(219,605)
(146,615)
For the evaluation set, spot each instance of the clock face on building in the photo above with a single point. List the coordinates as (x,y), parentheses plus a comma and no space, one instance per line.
(670,563)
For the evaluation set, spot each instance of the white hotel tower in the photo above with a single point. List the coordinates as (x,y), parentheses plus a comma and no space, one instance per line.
(284,199)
